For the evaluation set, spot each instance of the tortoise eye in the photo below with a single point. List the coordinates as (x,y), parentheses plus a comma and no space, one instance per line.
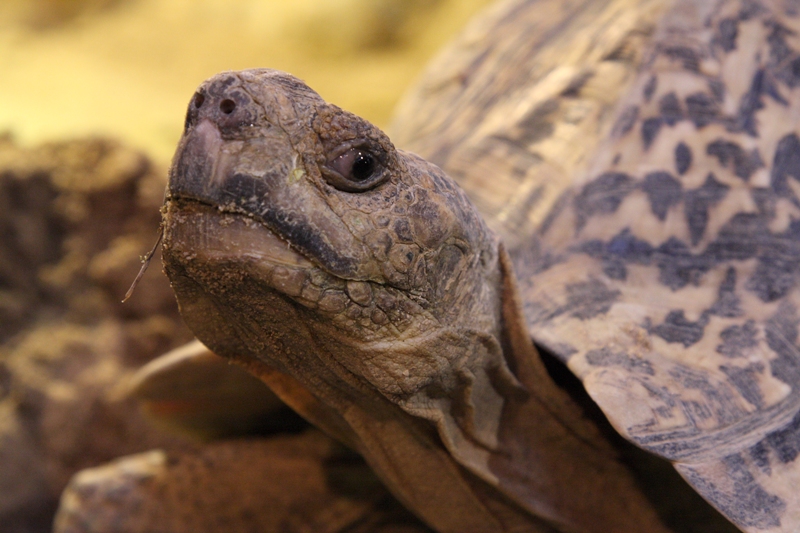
(356,169)
(363,166)
(355,165)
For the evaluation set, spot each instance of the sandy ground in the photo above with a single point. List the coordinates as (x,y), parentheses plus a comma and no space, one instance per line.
(126,68)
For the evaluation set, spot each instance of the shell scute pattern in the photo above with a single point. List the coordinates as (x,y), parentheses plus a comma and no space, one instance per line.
(515,107)
(689,221)
(742,499)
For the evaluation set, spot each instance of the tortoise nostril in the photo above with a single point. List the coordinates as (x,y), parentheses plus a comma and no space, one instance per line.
(227,106)
(198,100)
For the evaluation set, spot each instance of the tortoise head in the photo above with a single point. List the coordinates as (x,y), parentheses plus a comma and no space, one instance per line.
(361,284)
(297,235)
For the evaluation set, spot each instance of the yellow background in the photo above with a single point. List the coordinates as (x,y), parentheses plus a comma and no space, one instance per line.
(127,68)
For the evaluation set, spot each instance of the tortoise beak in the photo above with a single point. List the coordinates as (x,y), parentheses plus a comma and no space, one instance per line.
(197,172)
(228,138)
(226,172)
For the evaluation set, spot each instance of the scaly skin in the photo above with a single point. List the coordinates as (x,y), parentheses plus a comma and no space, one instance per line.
(375,301)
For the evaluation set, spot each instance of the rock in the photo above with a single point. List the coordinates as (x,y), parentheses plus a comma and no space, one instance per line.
(75,217)
(24,482)
(285,484)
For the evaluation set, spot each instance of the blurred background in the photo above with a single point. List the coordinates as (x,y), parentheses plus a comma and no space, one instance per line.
(126,68)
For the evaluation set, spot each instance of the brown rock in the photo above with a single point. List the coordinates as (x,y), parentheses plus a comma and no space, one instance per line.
(75,217)
(302,483)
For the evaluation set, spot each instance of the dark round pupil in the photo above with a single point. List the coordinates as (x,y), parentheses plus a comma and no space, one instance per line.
(363,166)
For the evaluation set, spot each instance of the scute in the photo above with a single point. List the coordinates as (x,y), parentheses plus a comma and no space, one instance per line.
(518,104)
(666,274)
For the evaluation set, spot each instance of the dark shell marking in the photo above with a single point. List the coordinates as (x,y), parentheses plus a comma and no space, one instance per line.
(690,223)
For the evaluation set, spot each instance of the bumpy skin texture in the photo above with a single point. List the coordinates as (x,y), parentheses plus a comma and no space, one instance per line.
(387,315)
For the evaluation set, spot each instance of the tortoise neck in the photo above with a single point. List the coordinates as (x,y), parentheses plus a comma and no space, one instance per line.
(550,459)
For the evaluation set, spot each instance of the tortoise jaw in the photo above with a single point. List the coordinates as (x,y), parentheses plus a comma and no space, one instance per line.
(198,237)
(216,234)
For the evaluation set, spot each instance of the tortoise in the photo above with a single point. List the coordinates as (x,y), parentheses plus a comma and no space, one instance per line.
(635,172)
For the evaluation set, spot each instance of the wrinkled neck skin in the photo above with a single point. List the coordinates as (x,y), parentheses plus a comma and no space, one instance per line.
(376,302)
